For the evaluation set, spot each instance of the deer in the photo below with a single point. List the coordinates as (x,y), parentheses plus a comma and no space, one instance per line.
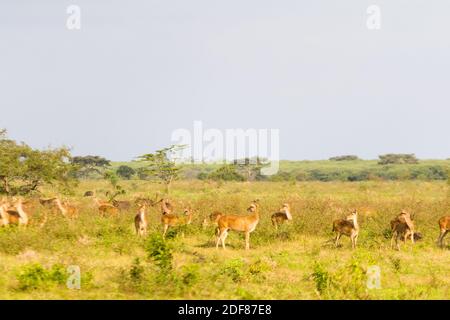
(119,204)
(15,215)
(166,207)
(246,224)
(105,208)
(402,226)
(284,214)
(348,226)
(172,220)
(212,218)
(444,227)
(66,209)
(140,221)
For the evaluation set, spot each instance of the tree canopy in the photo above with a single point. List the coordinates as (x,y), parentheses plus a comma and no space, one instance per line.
(24,169)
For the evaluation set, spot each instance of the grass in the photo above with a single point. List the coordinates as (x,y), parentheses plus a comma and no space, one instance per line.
(296,262)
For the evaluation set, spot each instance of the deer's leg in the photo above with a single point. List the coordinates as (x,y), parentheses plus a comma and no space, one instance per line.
(338,236)
(219,237)
(247,240)
(166,226)
(224,236)
(441,238)
(412,236)
(354,239)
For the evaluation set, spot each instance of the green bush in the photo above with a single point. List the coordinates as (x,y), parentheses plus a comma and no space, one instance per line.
(160,252)
(35,276)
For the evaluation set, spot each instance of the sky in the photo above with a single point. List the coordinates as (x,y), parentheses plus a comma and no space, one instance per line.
(138,70)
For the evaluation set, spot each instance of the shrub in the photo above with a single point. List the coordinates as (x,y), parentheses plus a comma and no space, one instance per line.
(35,276)
(159,251)
(344,158)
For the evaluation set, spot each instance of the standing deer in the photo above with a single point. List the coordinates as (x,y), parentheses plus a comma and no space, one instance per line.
(172,220)
(140,221)
(246,224)
(66,209)
(348,226)
(444,227)
(15,215)
(402,226)
(284,214)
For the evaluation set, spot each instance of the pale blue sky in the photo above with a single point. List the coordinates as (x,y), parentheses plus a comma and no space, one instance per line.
(139,69)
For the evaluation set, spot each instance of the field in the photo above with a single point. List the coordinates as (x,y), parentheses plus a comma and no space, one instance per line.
(296,262)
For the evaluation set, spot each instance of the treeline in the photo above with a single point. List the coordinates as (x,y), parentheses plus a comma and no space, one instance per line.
(423,172)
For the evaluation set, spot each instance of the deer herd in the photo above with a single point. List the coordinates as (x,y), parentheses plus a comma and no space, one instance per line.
(16,212)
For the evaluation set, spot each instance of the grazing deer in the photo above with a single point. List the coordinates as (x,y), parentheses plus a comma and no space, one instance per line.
(66,209)
(402,226)
(211,219)
(47,202)
(88,194)
(140,221)
(105,208)
(246,224)
(172,220)
(444,227)
(119,204)
(348,226)
(284,214)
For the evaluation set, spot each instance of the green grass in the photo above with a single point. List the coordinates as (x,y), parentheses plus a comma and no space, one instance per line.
(294,263)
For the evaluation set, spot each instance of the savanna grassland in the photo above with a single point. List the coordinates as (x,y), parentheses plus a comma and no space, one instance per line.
(296,262)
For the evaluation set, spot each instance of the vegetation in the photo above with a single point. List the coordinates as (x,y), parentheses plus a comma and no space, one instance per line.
(398,159)
(161,165)
(24,169)
(344,158)
(296,262)
(125,172)
(90,166)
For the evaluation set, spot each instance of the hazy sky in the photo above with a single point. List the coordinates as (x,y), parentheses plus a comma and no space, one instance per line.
(139,69)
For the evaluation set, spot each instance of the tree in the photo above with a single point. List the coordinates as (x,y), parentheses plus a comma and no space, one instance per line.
(23,169)
(125,172)
(226,172)
(90,165)
(344,158)
(392,158)
(162,165)
(250,168)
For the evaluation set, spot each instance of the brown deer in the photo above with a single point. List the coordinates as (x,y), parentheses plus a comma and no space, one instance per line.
(166,207)
(284,214)
(15,214)
(105,208)
(246,224)
(66,209)
(140,221)
(172,220)
(348,226)
(402,226)
(444,227)
(212,219)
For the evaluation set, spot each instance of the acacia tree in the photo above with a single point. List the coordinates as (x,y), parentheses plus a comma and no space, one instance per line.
(89,165)
(162,165)
(24,169)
